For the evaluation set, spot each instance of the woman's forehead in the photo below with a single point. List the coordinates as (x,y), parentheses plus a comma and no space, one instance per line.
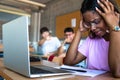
(90,15)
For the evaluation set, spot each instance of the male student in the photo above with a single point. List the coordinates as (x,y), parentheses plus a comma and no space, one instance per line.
(68,37)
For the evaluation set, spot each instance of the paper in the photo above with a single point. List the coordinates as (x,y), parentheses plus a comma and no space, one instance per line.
(89,72)
(73,22)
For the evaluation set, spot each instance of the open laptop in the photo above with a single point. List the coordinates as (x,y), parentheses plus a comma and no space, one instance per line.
(16,50)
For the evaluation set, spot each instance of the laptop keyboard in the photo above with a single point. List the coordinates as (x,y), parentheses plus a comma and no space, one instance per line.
(35,70)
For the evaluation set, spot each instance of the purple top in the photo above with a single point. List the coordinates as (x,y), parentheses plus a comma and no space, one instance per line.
(96,51)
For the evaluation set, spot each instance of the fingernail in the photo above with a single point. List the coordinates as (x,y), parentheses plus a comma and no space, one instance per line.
(96,8)
(98,1)
(81,29)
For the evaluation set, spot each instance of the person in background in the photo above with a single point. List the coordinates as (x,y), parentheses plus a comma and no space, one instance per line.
(68,37)
(102,47)
(48,44)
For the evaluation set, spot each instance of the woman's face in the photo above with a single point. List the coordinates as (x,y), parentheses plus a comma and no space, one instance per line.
(95,23)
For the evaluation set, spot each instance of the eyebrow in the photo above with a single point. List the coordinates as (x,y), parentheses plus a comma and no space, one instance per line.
(91,21)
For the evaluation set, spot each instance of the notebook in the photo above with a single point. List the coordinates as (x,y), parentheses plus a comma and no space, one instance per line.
(16,50)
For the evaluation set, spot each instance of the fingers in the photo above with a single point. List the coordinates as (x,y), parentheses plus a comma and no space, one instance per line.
(111,6)
(108,13)
(102,4)
(99,11)
(117,14)
(106,5)
(83,27)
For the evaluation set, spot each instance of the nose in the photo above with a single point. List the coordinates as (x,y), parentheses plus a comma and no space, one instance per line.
(93,26)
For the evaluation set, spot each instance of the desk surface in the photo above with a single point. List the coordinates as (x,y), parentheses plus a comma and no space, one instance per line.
(10,75)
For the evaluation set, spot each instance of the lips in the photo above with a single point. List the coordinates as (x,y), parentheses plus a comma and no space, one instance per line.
(98,32)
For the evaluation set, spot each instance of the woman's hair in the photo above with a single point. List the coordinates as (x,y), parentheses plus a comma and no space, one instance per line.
(90,5)
(44,29)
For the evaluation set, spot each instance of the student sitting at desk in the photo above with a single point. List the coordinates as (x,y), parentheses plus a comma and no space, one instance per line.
(68,37)
(48,44)
(58,57)
(102,46)
(61,53)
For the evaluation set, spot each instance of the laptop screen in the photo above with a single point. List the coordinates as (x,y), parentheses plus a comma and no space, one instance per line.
(16,42)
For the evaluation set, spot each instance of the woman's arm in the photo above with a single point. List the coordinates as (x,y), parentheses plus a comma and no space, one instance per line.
(112,19)
(73,56)
(114,53)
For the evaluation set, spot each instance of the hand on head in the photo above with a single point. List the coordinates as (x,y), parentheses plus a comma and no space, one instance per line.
(109,13)
(83,27)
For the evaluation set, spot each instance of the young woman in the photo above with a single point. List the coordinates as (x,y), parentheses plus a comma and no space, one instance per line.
(102,46)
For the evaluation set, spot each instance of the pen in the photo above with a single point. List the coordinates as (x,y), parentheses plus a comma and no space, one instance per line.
(74,70)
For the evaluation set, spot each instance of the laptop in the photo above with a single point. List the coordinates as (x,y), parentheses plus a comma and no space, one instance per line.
(16,50)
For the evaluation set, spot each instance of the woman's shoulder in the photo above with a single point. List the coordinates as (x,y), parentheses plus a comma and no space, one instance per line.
(89,40)
(96,41)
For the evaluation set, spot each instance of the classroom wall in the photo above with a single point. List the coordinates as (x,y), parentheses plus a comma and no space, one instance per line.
(57,8)
(0,31)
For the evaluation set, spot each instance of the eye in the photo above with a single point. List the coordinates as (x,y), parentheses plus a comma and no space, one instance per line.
(97,21)
(86,25)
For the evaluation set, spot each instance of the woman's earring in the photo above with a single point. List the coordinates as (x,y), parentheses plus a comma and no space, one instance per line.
(107,31)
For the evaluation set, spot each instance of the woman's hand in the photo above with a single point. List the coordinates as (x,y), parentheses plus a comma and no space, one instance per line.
(83,27)
(110,16)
